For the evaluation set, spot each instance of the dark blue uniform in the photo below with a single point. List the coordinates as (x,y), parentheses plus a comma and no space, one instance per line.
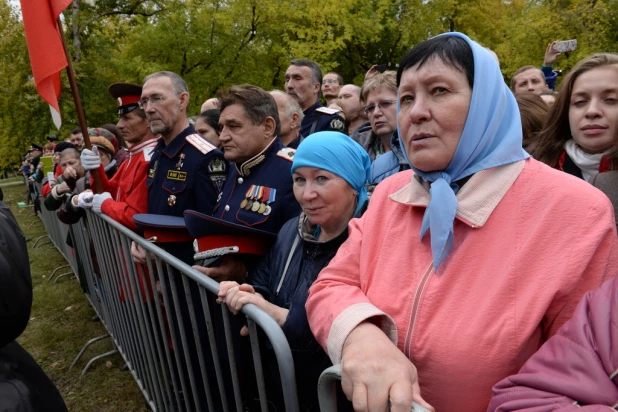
(186,174)
(259,193)
(317,121)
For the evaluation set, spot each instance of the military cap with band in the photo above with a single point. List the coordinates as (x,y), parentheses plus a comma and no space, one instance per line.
(215,237)
(162,228)
(127,96)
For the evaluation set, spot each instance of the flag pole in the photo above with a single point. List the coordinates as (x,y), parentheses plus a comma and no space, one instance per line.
(81,118)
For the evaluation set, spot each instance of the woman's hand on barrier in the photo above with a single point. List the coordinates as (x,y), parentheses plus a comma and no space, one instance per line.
(230,268)
(238,296)
(375,372)
(138,253)
(224,287)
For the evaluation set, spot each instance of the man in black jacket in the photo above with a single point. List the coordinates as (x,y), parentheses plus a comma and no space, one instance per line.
(23,384)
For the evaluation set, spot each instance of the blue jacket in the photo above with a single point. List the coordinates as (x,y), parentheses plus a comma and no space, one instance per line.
(389,163)
(550,76)
(290,290)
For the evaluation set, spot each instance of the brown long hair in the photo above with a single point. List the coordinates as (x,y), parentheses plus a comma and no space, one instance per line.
(557,130)
(533,111)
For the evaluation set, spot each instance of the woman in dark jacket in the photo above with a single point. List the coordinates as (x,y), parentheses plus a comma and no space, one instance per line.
(330,171)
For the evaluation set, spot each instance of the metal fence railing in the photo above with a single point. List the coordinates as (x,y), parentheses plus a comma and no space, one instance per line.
(183,349)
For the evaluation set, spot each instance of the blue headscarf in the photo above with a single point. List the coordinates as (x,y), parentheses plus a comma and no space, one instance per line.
(339,154)
(492,136)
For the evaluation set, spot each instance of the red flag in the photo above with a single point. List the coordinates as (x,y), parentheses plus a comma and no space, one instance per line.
(47,56)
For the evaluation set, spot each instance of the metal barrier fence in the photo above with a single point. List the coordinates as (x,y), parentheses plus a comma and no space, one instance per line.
(183,349)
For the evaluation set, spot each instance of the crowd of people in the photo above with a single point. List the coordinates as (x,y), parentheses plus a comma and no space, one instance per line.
(432,230)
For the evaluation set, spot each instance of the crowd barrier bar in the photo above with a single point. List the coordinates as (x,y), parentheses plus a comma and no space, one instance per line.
(180,346)
(327,388)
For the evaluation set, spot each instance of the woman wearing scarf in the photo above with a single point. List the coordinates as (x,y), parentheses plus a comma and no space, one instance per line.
(582,126)
(329,172)
(462,268)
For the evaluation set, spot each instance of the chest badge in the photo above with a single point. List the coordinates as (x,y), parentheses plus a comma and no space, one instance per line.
(151,172)
(179,164)
(171,200)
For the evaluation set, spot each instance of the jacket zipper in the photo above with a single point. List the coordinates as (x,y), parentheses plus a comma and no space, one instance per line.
(416,303)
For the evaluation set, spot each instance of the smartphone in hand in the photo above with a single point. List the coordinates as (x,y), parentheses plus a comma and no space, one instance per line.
(565,46)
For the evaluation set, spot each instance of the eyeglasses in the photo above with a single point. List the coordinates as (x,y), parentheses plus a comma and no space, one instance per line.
(154,100)
(329,81)
(382,104)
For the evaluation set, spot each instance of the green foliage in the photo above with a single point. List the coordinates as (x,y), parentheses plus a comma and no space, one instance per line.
(216,43)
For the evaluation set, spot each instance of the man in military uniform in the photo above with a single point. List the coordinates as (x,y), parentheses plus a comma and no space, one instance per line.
(303,80)
(186,171)
(258,190)
(126,193)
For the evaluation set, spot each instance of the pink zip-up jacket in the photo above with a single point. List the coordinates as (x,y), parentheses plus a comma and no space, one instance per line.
(529,242)
(577,369)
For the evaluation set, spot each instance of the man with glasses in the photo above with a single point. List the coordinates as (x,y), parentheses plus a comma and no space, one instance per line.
(186,171)
(303,80)
(331,84)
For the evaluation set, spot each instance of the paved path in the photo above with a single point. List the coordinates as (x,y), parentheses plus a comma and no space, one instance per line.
(10,183)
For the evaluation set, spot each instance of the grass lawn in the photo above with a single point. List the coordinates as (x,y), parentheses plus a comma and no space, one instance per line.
(59,326)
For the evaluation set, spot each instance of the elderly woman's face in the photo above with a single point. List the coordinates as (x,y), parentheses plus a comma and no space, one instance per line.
(381,109)
(326,198)
(434,101)
(69,160)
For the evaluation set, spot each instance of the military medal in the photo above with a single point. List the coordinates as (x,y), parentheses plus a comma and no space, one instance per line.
(257,204)
(243,204)
(264,199)
(171,200)
(271,199)
(250,198)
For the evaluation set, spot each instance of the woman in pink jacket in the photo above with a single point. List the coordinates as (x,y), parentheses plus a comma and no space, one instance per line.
(577,369)
(462,268)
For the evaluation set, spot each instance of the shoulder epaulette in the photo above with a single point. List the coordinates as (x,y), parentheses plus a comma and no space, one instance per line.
(287,153)
(327,110)
(200,143)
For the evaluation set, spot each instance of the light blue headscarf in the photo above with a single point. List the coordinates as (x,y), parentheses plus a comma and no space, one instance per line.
(492,136)
(339,154)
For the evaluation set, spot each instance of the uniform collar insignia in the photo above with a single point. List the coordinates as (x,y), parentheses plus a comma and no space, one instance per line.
(245,168)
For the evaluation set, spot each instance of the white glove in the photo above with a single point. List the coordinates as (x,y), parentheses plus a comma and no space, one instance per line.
(90,158)
(98,200)
(84,199)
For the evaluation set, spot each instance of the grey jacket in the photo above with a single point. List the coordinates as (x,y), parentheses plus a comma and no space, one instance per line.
(389,163)
(608,183)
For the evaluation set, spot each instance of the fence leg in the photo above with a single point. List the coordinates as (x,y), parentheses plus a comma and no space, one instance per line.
(34,222)
(36,242)
(90,342)
(96,358)
(63,275)
(45,243)
(56,270)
